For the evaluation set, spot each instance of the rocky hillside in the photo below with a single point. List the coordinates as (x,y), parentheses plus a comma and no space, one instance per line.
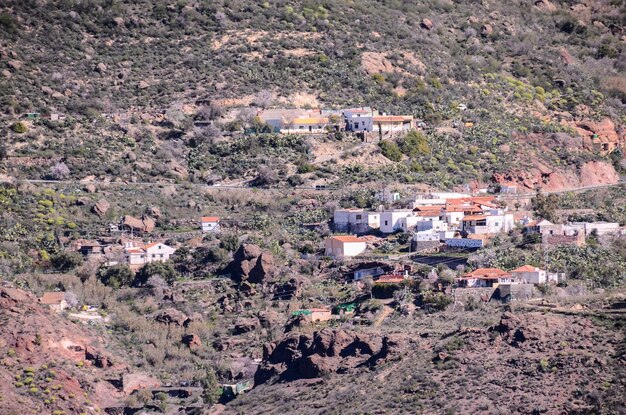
(51,365)
(525,363)
(538,79)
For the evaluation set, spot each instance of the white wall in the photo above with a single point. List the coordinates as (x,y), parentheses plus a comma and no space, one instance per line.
(464,243)
(535,277)
(390,220)
(353,248)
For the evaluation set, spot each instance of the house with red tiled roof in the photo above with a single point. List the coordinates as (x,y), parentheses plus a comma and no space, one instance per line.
(152,252)
(55,301)
(210,224)
(485,277)
(345,246)
(530,275)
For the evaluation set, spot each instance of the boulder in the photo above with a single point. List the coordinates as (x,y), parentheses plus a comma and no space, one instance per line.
(143,85)
(192,341)
(136,381)
(154,211)
(486,30)
(545,6)
(15,64)
(90,188)
(101,68)
(6,73)
(245,325)
(251,264)
(172,316)
(101,207)
(99,359)
(566,56)
(426,24)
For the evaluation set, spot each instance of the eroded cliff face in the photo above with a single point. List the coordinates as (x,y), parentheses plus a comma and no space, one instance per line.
(50,363)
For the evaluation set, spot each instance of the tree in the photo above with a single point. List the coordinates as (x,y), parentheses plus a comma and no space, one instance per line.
(545,206)
(175,115)
(390,150)
(414,144)
(70,299)
(66,261)
(59,171)
(263,98)
(211,390)
(162,269)
(116,276)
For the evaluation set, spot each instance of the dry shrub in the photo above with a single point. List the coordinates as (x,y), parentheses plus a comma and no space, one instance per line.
(616,85)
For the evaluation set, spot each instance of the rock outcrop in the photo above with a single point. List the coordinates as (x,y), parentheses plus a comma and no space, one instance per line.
(326,351)
(251,264)
(172,316)
(101,207)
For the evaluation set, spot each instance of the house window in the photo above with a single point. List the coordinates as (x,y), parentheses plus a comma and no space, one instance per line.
(153,255)
(159,246)
(161,255)
(386,223)
(359,217)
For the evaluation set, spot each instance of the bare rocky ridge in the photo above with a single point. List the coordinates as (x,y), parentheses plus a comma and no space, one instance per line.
(325,352)
(526,362)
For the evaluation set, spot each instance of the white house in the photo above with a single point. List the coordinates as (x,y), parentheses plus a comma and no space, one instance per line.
(210,224)
(392,123)
(488,224)
(485,277)
(395,220)
(359,119)
(305,125)
(344,246)
(530,275)
(436,225)
(151,252)
(355,220)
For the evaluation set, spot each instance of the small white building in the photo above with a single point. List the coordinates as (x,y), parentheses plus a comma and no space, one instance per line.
(210,224)
(488,224)
(392,123)
(306,125)
(151,252)
(395,220)
(344,246)
(359,119)
(528,274)
(355,220)
(430,224)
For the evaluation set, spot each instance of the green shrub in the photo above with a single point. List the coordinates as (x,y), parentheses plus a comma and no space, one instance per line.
(19,127)
(116,276)
(162,269)
(390,150)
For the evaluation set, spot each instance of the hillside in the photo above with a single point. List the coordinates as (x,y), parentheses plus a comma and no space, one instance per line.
(536,80)
(312,207)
